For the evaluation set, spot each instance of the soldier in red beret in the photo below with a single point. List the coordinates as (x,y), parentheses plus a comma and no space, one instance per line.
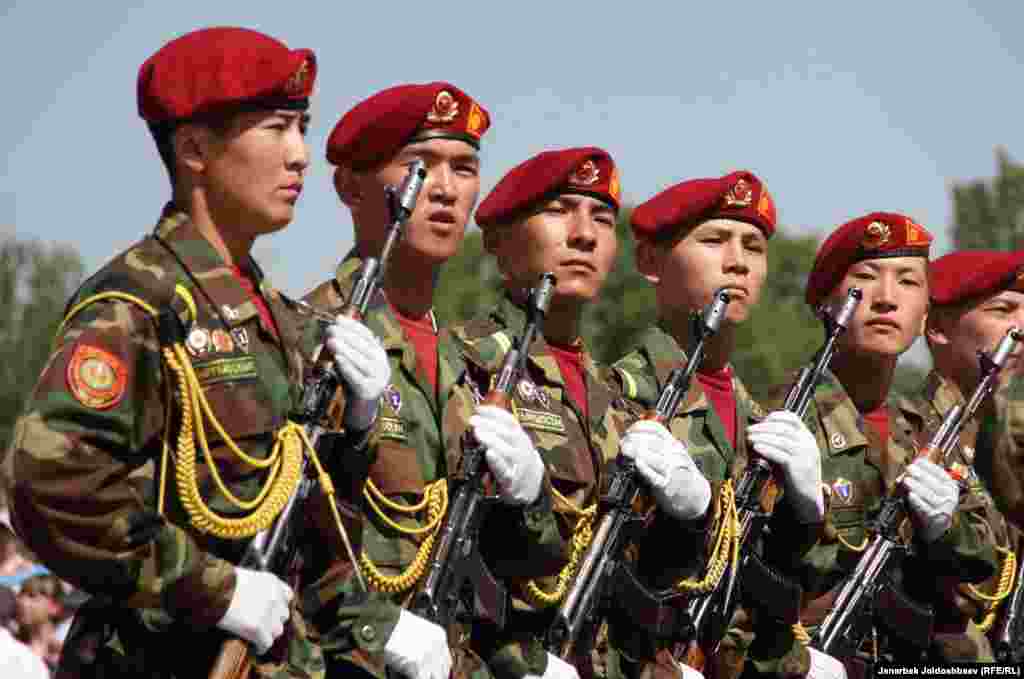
(555,212)
(868,441)
(693,239)
(157,442)
(977,296)
(399,476)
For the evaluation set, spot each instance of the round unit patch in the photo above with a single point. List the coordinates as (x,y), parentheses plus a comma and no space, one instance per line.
(96,377)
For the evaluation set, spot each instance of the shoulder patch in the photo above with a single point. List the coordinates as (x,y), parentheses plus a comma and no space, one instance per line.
(96,377)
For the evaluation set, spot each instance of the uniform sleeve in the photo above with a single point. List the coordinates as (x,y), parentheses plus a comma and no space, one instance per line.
(84,458)
(967,549)
(999,454)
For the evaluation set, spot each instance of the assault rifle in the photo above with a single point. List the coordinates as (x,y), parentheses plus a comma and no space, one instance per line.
(1009,634)
(709,614)
(603,573)
(870,588)
(275,549)
(459,586)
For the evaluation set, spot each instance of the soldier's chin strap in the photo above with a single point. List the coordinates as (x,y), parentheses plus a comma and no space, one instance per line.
(284,462)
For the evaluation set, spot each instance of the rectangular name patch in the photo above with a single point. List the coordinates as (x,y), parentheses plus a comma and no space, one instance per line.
(392,428)
(227,370)
(540,420)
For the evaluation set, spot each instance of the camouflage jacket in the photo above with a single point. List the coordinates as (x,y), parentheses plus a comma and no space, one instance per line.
(857,471)
(641,375)
(574,448)
(1000,449)
(960,601)
(415,442)
(85,458)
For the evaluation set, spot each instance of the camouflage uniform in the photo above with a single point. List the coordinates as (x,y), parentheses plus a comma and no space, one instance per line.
(858,470)
(641,375)
(574,449)
(405,452)
(85,465)
(1000,449)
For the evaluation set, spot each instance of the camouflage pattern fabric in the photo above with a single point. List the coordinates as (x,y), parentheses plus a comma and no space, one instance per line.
(575,450)
(641,375)
(84,463)
(1000,449)
(858,469)
(960,607)
(406,450)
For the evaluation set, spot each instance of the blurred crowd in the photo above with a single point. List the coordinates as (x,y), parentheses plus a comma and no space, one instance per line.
(36,608)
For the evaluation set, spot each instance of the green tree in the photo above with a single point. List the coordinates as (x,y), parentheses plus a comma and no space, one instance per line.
(35,282)
(989,214)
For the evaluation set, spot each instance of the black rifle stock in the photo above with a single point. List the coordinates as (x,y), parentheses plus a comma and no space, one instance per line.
(871,587)
(1009,633)
(603,572)
(459,585)
(709,614)
(275,549)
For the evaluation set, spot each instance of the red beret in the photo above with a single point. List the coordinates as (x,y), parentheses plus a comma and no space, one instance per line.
(378,127)
(587,170)
(739,195)
(874,236)
(216,68)
(959,276)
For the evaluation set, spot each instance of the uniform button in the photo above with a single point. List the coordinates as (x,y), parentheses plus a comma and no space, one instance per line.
(368,632)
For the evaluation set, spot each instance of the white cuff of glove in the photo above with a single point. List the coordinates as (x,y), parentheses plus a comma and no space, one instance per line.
(557,669)
(418,648)
(824,666)
(689,672)
(259,608)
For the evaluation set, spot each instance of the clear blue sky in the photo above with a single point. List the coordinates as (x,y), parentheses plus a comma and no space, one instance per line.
(842,108)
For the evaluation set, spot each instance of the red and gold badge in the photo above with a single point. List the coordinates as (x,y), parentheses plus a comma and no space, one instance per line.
(586,174)
(916,235)
(740,195)
(876,235)
(446,107)
(615,185)
(296,83)
(766,206)
(96,377)
(476,122)
(222,341)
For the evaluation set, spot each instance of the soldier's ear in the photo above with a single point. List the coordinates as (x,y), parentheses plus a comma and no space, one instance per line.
(649,260)
(193,146)
(934,330)
(493,236)
(346,183)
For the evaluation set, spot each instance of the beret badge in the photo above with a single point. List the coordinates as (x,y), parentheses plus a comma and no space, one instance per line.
(297,81)
(445,108)
(586,174)
(876,235)
(740,195)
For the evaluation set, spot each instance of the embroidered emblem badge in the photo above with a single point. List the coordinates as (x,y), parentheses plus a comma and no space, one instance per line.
(96,377)
(296,83)
(543,397)
(222,341)
(394,398)
(527,390)
(837,441)
(241,336)
(842,490)
(475,121)
(445,108)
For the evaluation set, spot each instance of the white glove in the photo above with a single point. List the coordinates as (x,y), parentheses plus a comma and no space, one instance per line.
(824,666)
(933,497)
(783,439)
(689,672)
(510,454)
(557,669)
(663,461)
(418,648)
(258,608)
(363,364)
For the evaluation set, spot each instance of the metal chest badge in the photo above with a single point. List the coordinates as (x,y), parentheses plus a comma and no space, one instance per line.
(393,398)
(198,341)
(842,490)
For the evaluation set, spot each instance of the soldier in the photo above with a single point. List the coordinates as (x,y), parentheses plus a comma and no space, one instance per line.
(555,212)
(692,239)
(399,476)
(977,296)
(865,442)
(157,440)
